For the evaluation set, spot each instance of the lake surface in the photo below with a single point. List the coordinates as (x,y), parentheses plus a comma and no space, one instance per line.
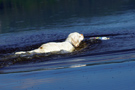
(109,64)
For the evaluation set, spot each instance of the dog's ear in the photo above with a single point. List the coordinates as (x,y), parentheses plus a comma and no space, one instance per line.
(75,38)
(75,41)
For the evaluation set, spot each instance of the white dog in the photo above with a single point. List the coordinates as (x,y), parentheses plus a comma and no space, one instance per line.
(72,41)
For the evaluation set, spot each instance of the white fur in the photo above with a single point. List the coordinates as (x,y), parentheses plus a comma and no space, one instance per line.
(73,40)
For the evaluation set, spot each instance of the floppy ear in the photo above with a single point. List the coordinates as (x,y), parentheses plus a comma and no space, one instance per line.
(75,41)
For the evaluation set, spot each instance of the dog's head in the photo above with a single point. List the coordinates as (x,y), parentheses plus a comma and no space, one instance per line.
(75,38)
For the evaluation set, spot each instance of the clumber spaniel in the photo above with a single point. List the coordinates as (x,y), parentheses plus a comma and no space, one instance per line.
(73,40)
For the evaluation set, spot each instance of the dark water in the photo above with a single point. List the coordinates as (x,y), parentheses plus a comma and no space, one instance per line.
(25,25)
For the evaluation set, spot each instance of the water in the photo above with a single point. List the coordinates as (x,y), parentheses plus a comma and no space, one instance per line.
(25,25)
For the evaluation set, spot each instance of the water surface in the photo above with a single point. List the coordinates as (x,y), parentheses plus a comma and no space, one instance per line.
(25,25)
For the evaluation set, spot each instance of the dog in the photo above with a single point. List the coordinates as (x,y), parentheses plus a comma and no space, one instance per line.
(73,40)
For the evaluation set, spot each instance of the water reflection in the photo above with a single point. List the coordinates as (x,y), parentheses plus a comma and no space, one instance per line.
(0,27)
(19,15)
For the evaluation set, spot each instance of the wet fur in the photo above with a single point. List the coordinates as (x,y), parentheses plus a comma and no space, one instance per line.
(73,40)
